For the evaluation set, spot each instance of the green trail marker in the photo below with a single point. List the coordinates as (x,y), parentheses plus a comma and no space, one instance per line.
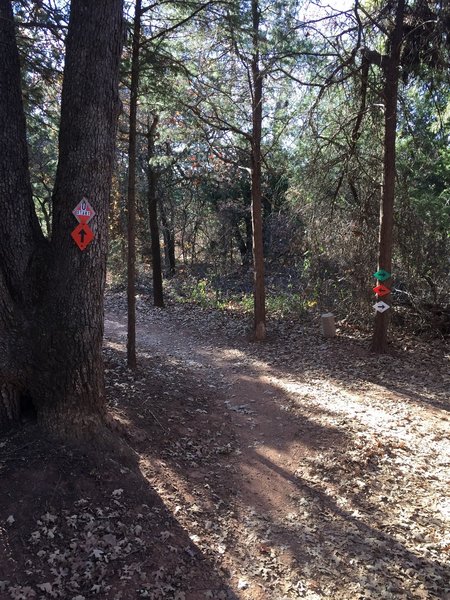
(381,275)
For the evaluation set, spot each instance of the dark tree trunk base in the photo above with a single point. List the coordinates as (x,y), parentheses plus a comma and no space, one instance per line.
(9,405)
(95,435)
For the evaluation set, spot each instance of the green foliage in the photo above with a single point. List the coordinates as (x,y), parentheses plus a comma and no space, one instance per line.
(424,154)
(321,173)
(41,47)
(116,268)
(205,293)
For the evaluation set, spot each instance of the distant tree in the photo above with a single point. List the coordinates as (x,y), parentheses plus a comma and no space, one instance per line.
(390,63)
(233,93)
(51,293)
(131,192)
(148,80)
(152,200)
(372,102)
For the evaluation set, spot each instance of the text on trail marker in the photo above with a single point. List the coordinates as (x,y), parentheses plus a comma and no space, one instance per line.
(83,211)
(83,235)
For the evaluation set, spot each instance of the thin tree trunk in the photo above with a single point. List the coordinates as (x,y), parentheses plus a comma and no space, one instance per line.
(258,250)
(158,298)
(193,243)
(249,240)
(169,242)
(131,197)
(391,81)
(240,243)
(183,237)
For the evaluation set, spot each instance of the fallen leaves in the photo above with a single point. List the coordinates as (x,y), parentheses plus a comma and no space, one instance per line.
(365,513)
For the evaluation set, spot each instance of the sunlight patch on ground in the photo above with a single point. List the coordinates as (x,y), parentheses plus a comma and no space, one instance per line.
(395,425)
(231,355)
(115,345)
(333,397)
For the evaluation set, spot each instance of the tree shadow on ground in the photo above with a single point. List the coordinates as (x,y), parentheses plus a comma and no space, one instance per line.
(73,527)
(188,447)
(419,376)
(330,538)
(320,533)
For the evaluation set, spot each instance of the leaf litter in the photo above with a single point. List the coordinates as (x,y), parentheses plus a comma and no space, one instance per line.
(300,468)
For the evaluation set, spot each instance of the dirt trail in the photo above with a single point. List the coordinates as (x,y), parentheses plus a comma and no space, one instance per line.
(269,443)
(340,481)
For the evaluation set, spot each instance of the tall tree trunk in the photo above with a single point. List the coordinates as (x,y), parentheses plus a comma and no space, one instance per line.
(183,236)
(19,229)
(70,336)
(193,242)
(390,92)
(169,241)
(158,298)
(131,197)
(258,250)
(51,293)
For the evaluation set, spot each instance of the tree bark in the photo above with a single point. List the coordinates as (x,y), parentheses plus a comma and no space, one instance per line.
(19,228)
(169,242)
(51,292)
(9,403)
(242,247)
(249,238)
(71,392)
(152,177)
(131,197)
(390,92)
(258,248)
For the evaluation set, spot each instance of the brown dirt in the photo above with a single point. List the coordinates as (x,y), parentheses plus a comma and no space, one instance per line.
(298,468)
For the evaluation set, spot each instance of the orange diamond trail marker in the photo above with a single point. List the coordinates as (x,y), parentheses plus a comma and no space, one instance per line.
(83,211)
(82,235)
(381,290)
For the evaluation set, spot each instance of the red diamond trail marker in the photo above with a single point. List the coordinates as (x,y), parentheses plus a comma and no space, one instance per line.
(82,235)
(381,290)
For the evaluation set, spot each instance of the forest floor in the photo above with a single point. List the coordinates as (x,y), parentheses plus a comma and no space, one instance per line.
(297,468)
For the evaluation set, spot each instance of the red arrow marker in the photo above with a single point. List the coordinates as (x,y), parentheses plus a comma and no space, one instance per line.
(381,290)
(82,235)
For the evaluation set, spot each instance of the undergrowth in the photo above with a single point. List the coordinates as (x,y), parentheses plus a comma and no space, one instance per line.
(203,293)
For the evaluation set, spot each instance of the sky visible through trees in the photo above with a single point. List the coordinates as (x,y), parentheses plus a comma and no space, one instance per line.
(224,299)
(271,157)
